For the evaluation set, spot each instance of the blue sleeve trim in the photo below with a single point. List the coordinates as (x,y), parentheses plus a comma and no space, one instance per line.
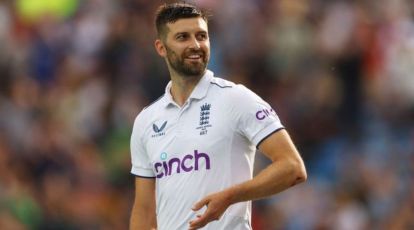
(264,138)
(145,177)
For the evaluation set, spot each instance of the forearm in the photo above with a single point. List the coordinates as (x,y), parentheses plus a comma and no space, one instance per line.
(275,178)
(142,219)
(286,170)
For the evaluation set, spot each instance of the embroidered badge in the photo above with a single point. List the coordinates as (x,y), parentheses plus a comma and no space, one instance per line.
(159,130)
(204,119)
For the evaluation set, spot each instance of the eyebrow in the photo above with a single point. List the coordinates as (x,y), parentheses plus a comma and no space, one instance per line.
(186,32)
(180,33)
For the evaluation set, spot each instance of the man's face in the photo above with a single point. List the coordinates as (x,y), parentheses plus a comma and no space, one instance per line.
(187,46)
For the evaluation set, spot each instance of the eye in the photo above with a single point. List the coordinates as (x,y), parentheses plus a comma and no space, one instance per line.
(181,37)
(202,36)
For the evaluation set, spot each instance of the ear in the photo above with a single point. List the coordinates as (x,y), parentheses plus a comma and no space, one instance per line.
(159,46)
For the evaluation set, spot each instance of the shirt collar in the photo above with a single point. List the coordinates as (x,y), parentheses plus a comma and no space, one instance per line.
(199,92)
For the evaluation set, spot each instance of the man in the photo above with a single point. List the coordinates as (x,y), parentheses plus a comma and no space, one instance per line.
(193,149)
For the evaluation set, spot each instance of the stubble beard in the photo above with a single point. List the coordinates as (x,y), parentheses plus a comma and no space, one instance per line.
(193,69)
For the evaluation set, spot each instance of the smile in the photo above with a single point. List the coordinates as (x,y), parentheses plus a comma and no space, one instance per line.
(194,57)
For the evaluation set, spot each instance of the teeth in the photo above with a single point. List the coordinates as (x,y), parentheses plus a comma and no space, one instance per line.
(194,56)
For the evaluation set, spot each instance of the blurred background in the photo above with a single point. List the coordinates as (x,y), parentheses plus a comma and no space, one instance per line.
(340,74)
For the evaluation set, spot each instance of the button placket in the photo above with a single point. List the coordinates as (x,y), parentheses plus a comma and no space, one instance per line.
(181,114)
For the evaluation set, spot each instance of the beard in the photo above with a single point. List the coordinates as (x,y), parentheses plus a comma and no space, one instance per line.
(179,64)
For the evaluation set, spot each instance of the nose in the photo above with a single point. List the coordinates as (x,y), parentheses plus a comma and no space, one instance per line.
(195,44)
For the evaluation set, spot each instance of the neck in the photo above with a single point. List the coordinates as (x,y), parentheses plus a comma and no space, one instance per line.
(182,87)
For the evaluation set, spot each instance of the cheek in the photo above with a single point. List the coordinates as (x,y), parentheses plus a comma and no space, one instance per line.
(179,51)
(206,47)
(173,52)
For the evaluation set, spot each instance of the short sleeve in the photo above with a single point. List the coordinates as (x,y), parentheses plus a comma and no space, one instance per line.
(256,118)
(141,164)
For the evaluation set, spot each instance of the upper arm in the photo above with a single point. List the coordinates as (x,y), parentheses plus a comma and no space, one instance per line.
(143,214)
(145,196)
(145,192)
(279,147)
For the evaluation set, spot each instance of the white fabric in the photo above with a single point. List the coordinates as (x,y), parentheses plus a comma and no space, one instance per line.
(203,147)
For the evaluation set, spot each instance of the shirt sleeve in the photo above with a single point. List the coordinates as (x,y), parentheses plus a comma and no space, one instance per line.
(141,164)
(256,118)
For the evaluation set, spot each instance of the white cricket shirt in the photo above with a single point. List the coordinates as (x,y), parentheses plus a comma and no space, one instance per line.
(203,147)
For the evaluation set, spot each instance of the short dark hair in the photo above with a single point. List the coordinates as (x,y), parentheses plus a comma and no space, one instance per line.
(171,12)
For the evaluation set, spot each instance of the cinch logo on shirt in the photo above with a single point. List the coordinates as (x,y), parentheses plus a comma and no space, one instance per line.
(262,114)
(187,164)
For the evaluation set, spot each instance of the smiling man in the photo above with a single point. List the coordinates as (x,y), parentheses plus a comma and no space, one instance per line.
(193,149)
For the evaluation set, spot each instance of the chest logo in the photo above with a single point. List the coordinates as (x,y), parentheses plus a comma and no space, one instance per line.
(159,131)
(197,161)
(204,119)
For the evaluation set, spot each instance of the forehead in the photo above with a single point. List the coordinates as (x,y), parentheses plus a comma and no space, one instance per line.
(188,25)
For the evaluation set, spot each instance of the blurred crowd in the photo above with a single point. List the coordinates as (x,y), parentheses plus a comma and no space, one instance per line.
(340,74)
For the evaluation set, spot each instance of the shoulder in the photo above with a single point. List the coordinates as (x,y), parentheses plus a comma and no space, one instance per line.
(148,111)
(228,86)
(153,105)
(221,83)
(232,90)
